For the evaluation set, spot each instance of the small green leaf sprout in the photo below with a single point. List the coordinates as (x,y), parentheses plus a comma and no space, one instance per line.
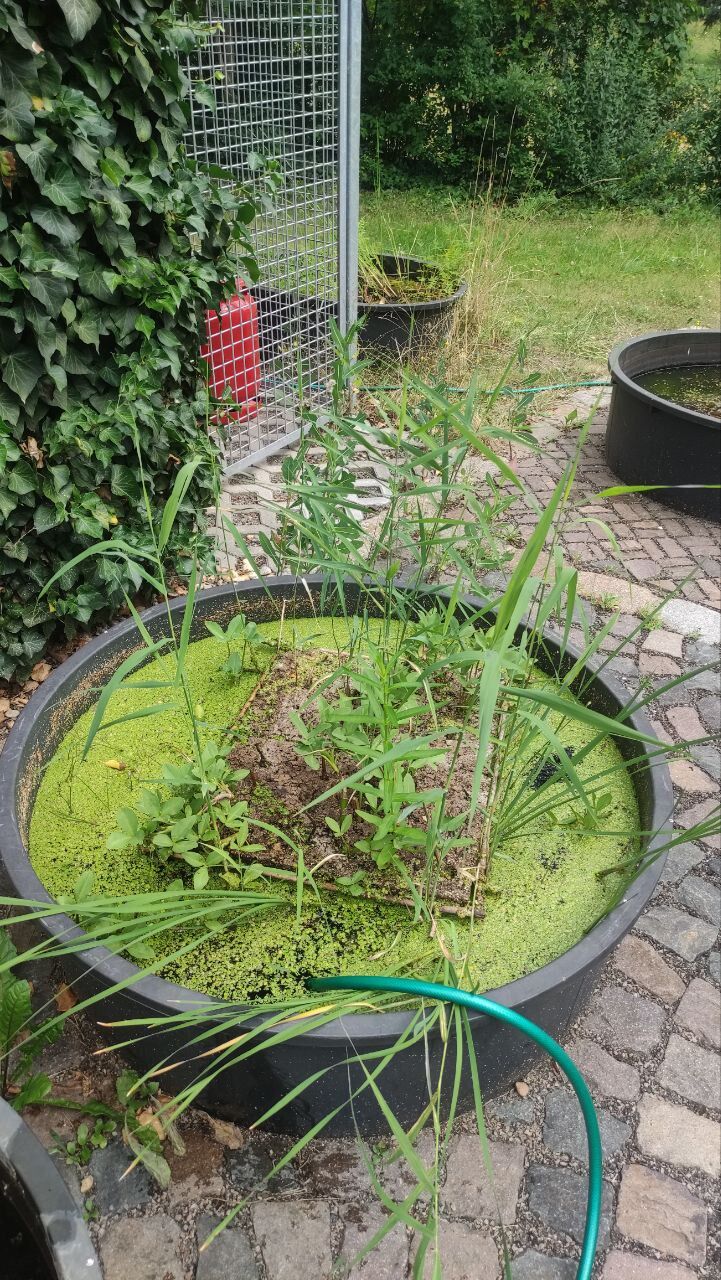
(239,631)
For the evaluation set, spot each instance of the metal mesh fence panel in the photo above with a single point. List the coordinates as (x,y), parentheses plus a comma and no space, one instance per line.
(277,70)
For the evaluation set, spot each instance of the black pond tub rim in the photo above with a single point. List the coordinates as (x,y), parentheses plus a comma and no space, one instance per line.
(42,1201)
(416,308)
(618,373)
(366,1030)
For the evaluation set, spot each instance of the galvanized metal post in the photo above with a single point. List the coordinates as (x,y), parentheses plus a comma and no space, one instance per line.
(348,160)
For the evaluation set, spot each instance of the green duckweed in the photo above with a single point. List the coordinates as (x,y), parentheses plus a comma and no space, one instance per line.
(546,893)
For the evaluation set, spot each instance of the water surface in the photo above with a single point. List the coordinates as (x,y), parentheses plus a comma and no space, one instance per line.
(693,386)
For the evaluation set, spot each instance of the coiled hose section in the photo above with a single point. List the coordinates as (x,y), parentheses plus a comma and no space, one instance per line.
(481,1004)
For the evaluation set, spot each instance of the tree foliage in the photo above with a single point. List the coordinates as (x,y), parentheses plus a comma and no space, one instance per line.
(111,247)
(455,92)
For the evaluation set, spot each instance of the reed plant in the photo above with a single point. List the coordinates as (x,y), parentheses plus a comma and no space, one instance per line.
(436,680)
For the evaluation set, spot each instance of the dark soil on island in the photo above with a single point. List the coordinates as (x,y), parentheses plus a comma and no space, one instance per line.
(280,784)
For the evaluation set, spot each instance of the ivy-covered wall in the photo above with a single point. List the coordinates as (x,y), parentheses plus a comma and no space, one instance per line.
(111,247)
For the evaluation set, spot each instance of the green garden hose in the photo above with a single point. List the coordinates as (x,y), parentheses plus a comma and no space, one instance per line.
(508,391)
(481,1004)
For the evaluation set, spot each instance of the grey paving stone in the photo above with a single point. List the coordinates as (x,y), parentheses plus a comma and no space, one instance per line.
(625,1020)
(702,898)
(396,1175)
(630,1266)
(661,1213)
(668,642)
(678,1136)
(292,1234)
(231,1255)
(512,1109)
(691,1072)
(680,932)
(709,709)
(640,962)
(247,1167)
(335,1169)
(700,1012)
(387,1261)
(539,1266)
(142,1249)
(197,1174)
(465,1254)
(701,652)
(603,1073)
(699,812)
(469,1192)
(112,1192)
(708,756)
(714,966)
(558,1196)
(680,860)
(564,1129)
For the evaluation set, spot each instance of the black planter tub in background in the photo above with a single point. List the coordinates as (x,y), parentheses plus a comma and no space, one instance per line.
(652,440)
(42,1233)
(551,996)
(404,329)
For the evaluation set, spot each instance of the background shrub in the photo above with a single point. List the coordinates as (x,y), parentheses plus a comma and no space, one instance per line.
(564,95)
(111,248)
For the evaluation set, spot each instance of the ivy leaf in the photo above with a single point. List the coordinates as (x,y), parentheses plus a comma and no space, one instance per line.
(47,337)
(97,77)
(47,517)
(9,277)
(85,154)
(144,69)
(56,224)
(64,189)
(145,325)
(113,166)
(48,291)
(9,407)
(80,16)
(203,94)
(142,127)
(15,121)
(21,371)
(87,331)
(36,156)
(92,279)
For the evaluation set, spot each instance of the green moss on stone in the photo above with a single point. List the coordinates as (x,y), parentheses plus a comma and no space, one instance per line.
(547,893)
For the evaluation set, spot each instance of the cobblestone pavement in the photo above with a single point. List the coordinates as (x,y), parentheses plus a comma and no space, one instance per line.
(648,1042)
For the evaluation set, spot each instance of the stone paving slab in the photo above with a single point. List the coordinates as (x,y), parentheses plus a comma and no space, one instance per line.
(647,1043)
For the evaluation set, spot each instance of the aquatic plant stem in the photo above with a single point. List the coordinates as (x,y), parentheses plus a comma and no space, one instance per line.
(481,1004)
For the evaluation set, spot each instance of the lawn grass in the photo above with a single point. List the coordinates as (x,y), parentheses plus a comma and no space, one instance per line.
(704,48)
(571,280)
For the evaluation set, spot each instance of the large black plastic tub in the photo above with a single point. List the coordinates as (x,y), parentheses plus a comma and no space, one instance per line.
(650,440)
(552,996)
(404,329)
(35,1200)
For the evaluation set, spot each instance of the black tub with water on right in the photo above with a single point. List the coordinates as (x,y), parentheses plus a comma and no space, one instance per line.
(664,425)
